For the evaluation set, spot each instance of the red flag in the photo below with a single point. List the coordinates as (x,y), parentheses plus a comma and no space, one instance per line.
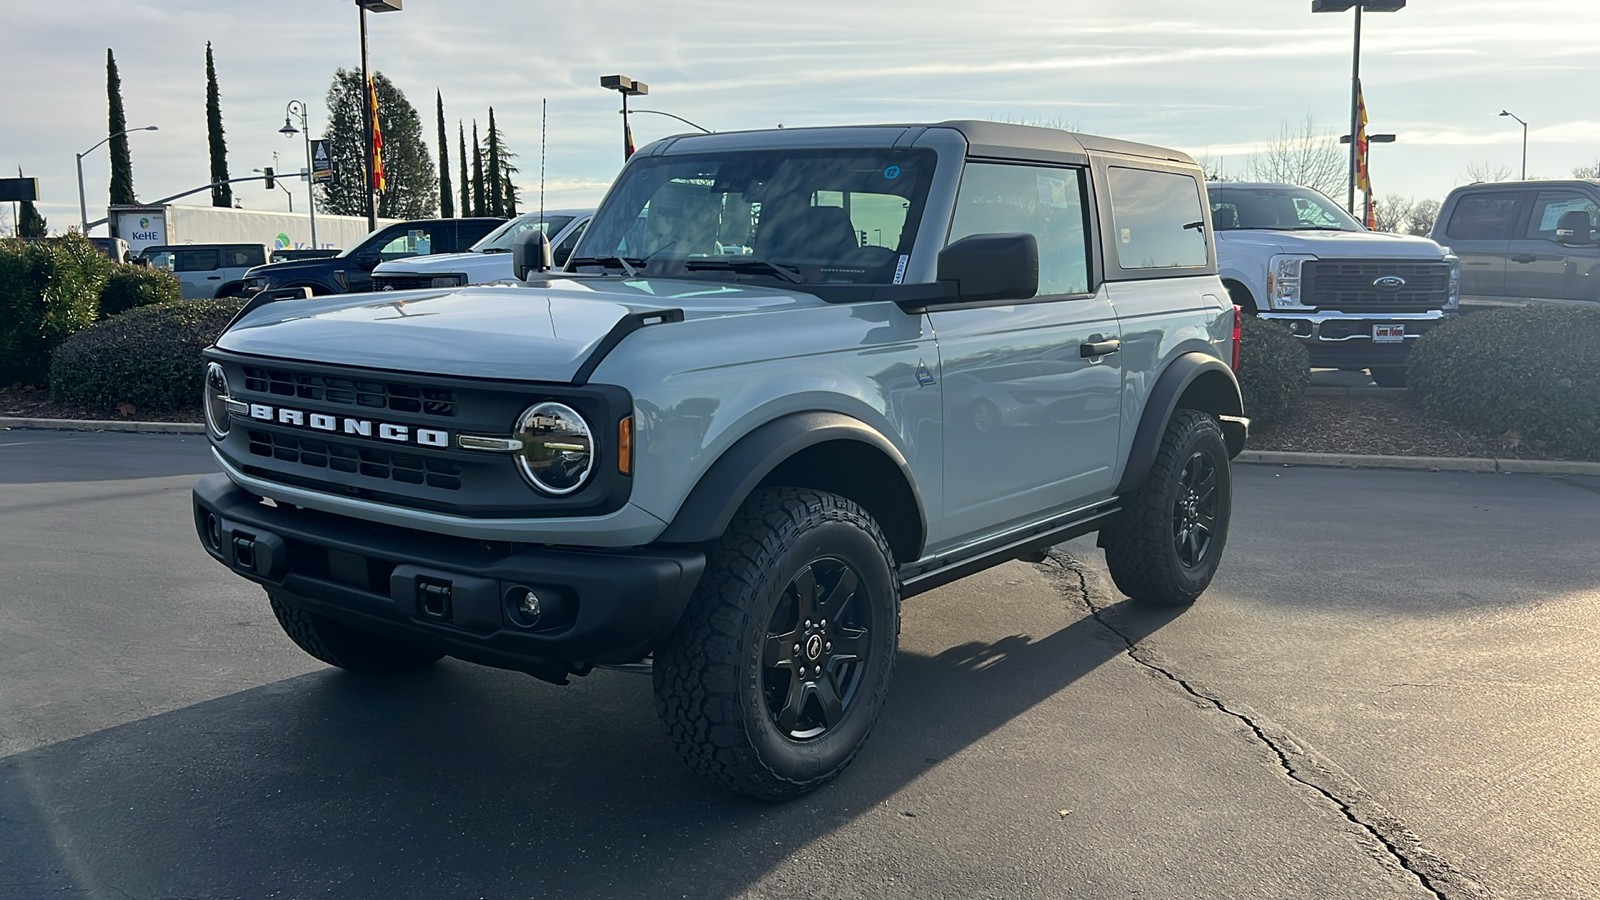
(1363,177)
(627,139)
(379,182)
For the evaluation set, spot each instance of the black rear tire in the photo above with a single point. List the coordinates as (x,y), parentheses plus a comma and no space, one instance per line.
(773,679)
(1165,546)
(345,647)
(1388,376)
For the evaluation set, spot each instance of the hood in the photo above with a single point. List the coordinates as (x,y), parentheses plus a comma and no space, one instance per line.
(524,332)
(290,267)
(478,267)
(1335,244)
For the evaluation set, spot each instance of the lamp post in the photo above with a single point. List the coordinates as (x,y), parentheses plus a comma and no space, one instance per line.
(1524,141)
(298,108)
(83,204)
(657,112)
(377,6)
(1371,139)
(1336,6)
(627,87)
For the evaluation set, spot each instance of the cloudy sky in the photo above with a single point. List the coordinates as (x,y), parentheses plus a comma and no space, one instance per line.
(1219,78)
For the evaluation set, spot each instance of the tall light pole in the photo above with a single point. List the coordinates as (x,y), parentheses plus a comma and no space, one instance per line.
(377,6)
(1335,6)
(1524,141)
(83,204)
(298,108)
(627,87)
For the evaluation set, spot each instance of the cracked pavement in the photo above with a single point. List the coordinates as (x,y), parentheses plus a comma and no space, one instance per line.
(1390,691)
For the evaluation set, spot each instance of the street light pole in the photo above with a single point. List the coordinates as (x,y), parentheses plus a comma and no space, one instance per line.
(627,87)
(1325,6)
(298,108)
(1371,139)
(1524,141)
(83,204)
(376,6)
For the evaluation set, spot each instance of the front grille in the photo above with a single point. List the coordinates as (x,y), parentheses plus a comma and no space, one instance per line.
(1347,285)
(401,282)
(360,392)
(373,462)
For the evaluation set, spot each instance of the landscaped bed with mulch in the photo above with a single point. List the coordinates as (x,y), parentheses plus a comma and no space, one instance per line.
(1377,424)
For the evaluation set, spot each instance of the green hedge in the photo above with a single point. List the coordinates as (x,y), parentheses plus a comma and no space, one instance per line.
(131,286)
(1531,371)
(148,357)
(1274,372)
(49,289)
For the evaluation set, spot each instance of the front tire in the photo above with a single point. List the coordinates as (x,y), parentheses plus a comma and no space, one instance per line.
(1165,546)
(773,679)
(347,648)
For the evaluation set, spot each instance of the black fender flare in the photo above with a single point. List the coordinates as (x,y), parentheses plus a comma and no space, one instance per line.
(1171,385)
(711,504)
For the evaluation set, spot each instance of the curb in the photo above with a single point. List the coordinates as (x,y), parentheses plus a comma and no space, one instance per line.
(102,425)
(1419,463)
(1330,390)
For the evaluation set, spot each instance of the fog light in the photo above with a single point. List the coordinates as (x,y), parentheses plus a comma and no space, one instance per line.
(527,605)
(213,531)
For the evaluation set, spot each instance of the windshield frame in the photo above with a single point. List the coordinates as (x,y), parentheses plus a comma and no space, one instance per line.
(1273,195)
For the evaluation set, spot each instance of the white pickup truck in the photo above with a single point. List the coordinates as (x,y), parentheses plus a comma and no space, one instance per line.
(1358,298)
(487,260)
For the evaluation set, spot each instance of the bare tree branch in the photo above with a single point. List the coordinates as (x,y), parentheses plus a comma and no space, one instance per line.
(1302,155)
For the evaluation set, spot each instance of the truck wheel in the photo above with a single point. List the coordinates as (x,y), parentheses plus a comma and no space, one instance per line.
(1388,376)
(1164,547)
(345,647)
(774,677)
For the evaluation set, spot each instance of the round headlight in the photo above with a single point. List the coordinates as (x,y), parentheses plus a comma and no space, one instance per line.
(217,400)
(557,452)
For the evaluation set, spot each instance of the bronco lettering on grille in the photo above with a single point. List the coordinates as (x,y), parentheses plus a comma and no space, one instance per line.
(367,428)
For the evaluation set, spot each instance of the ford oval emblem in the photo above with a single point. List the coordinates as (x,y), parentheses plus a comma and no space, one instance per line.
(1389,283)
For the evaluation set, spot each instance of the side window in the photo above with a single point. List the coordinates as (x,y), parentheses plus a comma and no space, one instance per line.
(197,260)
(242,257)
(1045,202)
(561,251)
(1156,219)
(410,242)
(1563,210)
(161,259)
(1484,217)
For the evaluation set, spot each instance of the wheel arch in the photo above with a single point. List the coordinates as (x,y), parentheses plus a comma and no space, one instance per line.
(1240,294)
(1192,381)
(819,450)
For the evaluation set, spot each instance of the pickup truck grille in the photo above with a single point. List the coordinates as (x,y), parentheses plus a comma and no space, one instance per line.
(373,462)
(1349,285)
(363,393)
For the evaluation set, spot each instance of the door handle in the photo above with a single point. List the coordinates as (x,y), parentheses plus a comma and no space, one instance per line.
(1523,257)
(1092,349)
(213,277)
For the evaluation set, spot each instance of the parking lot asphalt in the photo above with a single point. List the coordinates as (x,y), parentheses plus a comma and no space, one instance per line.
(1390,691)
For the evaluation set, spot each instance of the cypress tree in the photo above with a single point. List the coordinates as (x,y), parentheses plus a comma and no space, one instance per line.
(29,222)
(116,124)
(494,193)
(221,194)
(479,207)
(466,183)
(413,185)
(447,202)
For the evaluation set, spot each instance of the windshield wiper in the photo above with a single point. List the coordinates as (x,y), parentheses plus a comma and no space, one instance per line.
(747,266)
(494,250)
(626,265)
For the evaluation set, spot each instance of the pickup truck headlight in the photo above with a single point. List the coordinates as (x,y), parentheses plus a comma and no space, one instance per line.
(1454,299)
(557,453)
(1283,280)
(217,417)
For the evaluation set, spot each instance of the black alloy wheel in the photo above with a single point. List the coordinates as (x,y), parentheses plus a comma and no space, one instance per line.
(817,649)
(1194,510)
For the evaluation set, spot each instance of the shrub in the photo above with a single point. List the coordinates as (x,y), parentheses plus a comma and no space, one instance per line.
(131,286)
(1274,371)
(1530,371)
(148,357)
(49,289)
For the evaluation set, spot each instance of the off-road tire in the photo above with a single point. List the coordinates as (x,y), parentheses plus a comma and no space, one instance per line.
(1141,546)
(713,687)
(346,647)
(1388,376)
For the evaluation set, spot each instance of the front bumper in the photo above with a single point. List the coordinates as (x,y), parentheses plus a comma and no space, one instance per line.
(455,595)
(1336,339)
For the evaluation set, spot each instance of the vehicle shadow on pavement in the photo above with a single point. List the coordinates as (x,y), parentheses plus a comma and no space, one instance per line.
(464,781)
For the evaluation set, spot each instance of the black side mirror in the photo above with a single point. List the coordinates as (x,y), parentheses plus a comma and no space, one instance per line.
(992,266)
(530,253)
(368,261)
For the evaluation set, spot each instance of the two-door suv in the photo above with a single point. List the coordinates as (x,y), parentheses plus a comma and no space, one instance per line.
(788,379)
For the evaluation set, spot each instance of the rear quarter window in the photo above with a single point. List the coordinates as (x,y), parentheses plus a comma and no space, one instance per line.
(1156,218)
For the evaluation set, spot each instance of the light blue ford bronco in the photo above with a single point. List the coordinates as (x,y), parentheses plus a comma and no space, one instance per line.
(786,380)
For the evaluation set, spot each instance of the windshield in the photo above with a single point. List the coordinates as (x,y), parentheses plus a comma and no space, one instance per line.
(801,216)
(1278,209)
(503,237)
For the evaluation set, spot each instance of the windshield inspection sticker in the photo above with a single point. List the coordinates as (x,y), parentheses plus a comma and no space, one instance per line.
(892,172)
(900,269)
